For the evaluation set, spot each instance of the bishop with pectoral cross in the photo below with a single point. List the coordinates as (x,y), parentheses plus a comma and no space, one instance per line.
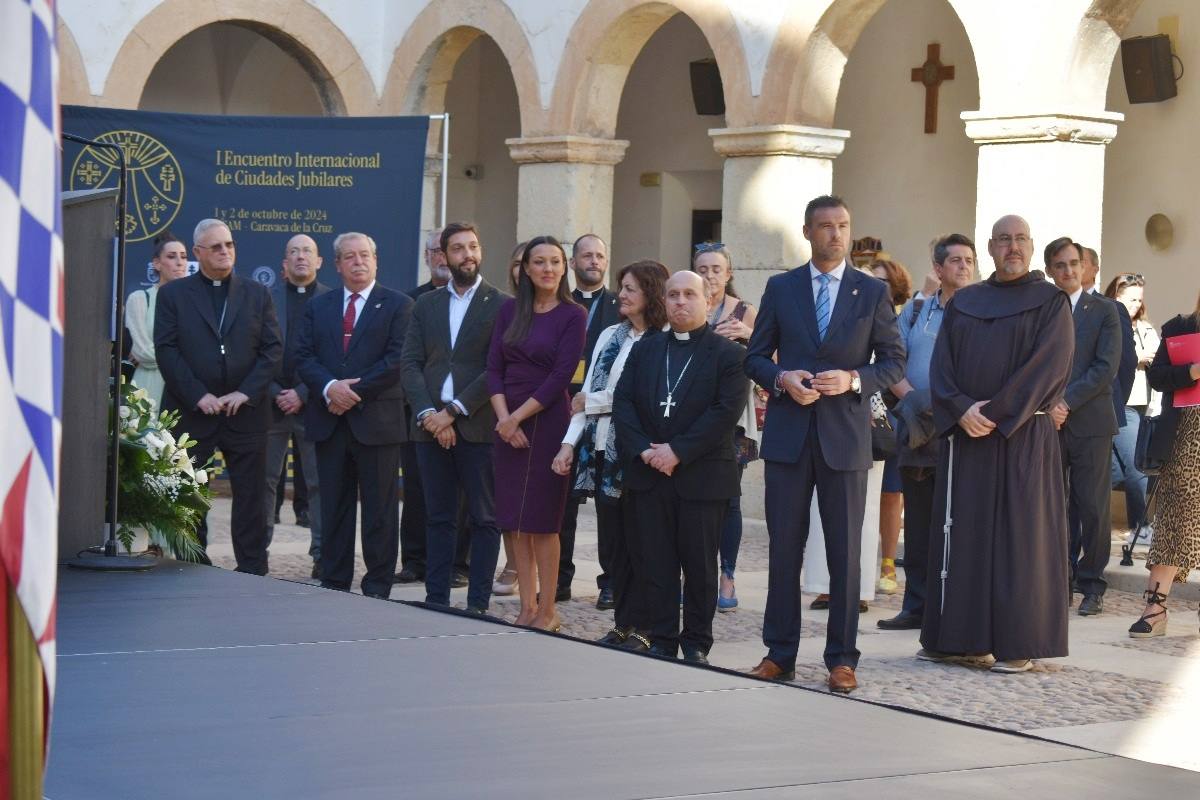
(676,406)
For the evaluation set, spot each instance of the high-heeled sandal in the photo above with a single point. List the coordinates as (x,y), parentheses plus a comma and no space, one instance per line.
(1144,628)
(506,583)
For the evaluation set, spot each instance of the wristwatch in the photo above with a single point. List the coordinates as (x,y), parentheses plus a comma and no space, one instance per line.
(855,383)
(452,410)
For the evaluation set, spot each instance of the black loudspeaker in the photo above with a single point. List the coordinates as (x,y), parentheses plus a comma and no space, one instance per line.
(1149,71)
(707,92)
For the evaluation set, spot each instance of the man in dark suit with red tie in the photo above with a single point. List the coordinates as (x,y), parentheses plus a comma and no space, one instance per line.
(349,355)
(824,320)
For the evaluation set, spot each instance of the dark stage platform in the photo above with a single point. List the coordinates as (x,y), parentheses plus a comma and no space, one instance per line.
(194,682)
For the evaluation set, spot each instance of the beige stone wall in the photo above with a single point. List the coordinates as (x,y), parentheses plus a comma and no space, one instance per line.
(906,186)
(1152,168)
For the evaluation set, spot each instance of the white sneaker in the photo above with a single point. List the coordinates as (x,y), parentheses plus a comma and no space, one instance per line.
(1144,539)
(1014,666)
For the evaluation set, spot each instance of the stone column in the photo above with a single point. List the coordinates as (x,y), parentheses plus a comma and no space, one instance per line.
(565,185)
(1048,168)
(770,174)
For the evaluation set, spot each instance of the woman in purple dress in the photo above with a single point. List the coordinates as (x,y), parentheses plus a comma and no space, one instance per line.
(536,346)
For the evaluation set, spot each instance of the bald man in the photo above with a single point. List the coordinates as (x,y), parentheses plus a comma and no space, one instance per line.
(301,261)
(676,405)
(998,543)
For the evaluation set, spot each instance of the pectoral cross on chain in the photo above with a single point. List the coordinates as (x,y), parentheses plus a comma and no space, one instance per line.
(668,403)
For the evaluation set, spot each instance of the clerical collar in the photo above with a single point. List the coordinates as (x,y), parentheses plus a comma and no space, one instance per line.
(215,282)
(298,289)
(589,295)
(686,336)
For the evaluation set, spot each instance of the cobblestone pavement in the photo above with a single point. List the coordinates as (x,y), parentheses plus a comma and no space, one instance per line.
(1109,694)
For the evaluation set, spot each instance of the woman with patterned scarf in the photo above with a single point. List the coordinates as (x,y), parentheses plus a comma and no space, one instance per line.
(591,432)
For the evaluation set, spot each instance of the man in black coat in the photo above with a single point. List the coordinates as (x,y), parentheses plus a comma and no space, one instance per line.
(675,407)
(444,372)
(349,355)
(589,262)
(218,346)
(825,321)
(289,394)
(1087,421)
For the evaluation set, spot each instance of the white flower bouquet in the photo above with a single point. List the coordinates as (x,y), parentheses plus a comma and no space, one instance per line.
(159,489)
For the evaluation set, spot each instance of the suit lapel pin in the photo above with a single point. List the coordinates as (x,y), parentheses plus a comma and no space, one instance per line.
(855,292)
(378,305)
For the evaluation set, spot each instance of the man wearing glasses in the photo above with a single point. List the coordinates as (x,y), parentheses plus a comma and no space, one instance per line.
(218,347)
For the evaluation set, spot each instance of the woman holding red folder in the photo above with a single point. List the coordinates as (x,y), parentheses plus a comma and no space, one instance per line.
(1175,550)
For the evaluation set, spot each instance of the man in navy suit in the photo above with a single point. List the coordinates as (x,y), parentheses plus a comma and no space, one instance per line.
(824,320)
(349,356)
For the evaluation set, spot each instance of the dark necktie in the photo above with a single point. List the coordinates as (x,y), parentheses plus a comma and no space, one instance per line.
(348,322)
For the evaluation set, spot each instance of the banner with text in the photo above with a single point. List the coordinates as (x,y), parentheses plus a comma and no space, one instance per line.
(268,178)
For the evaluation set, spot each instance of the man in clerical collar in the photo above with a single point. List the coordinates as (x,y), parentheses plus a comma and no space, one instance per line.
(675,407)
(218,347)
(589,262)
(301,261)
(1087,421)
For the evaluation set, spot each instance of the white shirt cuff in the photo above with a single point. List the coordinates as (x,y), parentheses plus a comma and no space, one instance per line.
(325,391)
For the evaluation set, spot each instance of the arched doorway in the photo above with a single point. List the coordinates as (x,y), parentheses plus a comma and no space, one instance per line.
(906,186)
(481,185)
(240,68)
(667,190)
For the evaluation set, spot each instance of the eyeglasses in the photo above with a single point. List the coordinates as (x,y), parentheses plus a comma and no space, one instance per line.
(709,247)
(219,247)
(1020,240)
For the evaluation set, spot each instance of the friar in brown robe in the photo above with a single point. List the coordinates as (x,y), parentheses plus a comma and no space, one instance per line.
(998,572)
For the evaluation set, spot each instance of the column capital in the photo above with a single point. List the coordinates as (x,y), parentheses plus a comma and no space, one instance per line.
(779,140)
(569,149)
(1092,128)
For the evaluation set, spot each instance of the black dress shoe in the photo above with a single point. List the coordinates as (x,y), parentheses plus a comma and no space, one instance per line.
(375,595)
(1091,605)
(563,594)
(476,610)
(408,575)
(636,642)
(664,650)
(615,637)
(900,622)
(460,580)
(605,601)
(695,657)
(316,570)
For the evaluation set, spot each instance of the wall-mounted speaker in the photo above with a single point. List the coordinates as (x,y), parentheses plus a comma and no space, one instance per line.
(1149,70)
(707,92)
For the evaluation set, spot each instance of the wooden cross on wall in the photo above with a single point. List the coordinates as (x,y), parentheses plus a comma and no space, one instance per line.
(931,74)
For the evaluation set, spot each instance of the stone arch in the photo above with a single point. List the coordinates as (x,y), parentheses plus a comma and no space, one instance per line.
(424,61)
(808,58)
(1095,46)
(606,39)
(302,31)
(72,74)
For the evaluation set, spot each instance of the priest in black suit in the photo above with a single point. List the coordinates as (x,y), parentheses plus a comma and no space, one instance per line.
(677,403)
(218,347)
(349,355)
(589,262)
